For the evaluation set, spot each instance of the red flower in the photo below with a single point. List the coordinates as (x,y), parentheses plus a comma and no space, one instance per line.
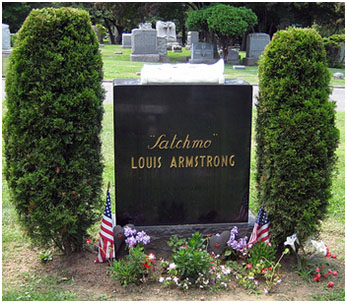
(335,273)
(269,268)
(326,275)
(88,241)
(208,235)
(119,236)
(263,271)
(316,279)
(249,266)
(331,284)
(146,265)
(333,256)
(317,269)
(184,246)
(217,245)
(318,276)
(328,254)
(329,271)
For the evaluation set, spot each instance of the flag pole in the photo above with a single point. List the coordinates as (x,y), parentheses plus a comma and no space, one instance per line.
(108,185)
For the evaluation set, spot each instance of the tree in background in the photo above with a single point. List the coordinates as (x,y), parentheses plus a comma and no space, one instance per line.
(52,127)
(224,22)
(295,133)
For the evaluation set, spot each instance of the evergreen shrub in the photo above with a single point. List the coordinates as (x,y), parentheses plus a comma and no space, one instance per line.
(296,134)
(52,127)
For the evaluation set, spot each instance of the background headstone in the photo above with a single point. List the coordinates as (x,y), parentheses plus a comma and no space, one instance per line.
(167,29)
(255,45)
(6,40)
(233,57)
(162,49)
(202,52)
(126,40)
(146,25)
(193,37)
(144,45)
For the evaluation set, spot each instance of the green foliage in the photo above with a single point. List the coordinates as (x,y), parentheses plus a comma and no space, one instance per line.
(295,134)
(225,22)
(261,251)
(52,127)
(132,268)
(332,46)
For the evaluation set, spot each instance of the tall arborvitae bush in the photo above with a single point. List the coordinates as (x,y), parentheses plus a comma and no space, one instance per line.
(52,127)
(295,133)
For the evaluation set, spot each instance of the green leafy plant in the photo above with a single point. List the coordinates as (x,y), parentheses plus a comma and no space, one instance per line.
(136,267)
(193,266)
(261,251)
(52,127)
(295,133)
(224,22)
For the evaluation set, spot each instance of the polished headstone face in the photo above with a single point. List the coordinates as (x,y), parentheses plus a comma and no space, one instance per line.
(182,153)
(144,41)
(256,44)
(202,51)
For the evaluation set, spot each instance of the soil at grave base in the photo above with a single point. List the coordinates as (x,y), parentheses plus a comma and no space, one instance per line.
(92,281)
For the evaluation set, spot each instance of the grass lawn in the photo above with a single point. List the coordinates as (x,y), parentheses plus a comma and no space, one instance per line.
(120,66)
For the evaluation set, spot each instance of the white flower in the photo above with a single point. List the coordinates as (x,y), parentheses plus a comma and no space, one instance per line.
(224,284)
(291,241)
(175,279)
(172,266)
(161,280)
(266,291)
(319,246)
(151,257)
(168,279)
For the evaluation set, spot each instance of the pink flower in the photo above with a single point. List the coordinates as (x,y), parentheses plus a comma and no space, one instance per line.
(151,257)
(279,281)
(333,256)
(317,269)
(331,284)
(335,273)
(249,266)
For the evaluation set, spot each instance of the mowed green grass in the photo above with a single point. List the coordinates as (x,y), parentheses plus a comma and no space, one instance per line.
(117,64)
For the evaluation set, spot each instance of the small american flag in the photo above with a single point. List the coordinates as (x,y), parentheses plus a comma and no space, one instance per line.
(106,242)
(261,228)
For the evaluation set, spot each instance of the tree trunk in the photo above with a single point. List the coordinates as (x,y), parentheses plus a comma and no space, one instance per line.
(110,33)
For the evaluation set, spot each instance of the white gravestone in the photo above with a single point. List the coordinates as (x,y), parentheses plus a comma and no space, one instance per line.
(167,29)
(193,37)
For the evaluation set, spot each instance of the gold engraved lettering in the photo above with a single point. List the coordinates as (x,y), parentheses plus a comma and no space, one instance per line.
(180,161)
(224,161)
(189,161)
(231,160)
(198,144)
(133,166)
(196,161)
(173,162)
(141,162)
(172,142)
(186,143)
(149,162)
(159,162)
(209,161)
(216,161)
(157,142)
(177,144)
(202,160)
(207,144)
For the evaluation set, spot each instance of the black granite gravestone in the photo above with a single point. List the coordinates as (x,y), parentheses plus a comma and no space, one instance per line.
(182,153)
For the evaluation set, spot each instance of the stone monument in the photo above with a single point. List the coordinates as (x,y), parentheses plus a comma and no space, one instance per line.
(202,52)
(6,40)
(144,45)
(162,49)
(233,57)
(255,45)
(126,40)
(193,37)
(182,157)
(167,29)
